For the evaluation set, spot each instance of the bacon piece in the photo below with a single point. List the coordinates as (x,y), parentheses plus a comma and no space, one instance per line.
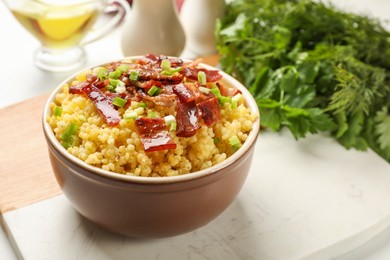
(185,94)
(103,105)
(165,100)
(154,135)
(210,110)
(226,91)
(187,115)
(176,62)
(211,75)
(78,88)
(148,58)
(150,83)
(153,74)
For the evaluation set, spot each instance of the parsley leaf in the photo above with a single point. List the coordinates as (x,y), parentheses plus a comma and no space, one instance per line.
(311,68)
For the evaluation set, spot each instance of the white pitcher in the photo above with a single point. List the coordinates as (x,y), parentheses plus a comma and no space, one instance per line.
(153,26)
(198,19)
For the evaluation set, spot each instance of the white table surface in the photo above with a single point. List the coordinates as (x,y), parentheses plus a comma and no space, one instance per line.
(22,80)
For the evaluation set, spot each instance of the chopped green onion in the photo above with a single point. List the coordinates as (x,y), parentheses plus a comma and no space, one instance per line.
(237,98)
(123,68)
(172,127)
(101,73)
(120,102)
(57,111)
(204,90)
(167,69)
(120,89)
(174,70)
(216,92)
(115,74)
(202,77)
(216,140)
(154,91)
(234,142)
(224,99)
(67,136)
(134,75)
(170,121)
(166,73)
(116,82)
(130,115)
(234,104)
(151,114)
(142,104)
(110,88)
(166,65)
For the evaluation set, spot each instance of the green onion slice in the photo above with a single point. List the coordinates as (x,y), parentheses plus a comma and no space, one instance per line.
(166,65)
(154,91)
(234,142)
(142,104)
(115,74)
(202,77)
(134,75)
(123,68)
(151,114)
(120,102)
(130,115)
(57,111)
(101,73)
(173,126)
(67,136)
(170,121)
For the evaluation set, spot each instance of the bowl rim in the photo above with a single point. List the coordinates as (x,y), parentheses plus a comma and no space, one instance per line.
(250,141)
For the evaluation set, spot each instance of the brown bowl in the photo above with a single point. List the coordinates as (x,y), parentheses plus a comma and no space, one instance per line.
(151,206)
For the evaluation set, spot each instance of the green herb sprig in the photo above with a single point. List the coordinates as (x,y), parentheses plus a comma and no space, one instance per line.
(311,68)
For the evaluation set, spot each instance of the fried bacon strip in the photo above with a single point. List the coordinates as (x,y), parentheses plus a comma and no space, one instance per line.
(103,104)
(210,111)
(184,93)
(154,134)
(153,74)
(187,117)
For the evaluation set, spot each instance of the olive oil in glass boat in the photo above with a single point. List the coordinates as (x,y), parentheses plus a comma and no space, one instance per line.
(62,27)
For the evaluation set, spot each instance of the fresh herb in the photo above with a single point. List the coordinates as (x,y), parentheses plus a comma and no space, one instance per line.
(311,68)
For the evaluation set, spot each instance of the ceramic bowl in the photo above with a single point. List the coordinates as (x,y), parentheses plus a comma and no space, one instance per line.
(151,207)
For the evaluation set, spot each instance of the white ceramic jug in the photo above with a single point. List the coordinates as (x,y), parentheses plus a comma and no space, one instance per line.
(153,26)
(198,19)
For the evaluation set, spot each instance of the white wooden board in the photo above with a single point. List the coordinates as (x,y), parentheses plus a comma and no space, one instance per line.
(310,199)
